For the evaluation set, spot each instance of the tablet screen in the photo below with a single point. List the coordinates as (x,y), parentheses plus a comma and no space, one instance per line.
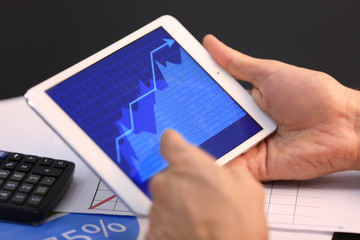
(125,101)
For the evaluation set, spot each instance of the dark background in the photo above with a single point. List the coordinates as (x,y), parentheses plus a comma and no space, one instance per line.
(40,38)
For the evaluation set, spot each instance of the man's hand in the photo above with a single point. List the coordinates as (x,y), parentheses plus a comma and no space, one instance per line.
(196,199)
(318,118)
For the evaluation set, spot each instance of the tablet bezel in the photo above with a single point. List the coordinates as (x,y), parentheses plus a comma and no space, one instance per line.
(90,152)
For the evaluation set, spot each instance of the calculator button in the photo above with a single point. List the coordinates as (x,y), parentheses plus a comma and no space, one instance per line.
(4,173)
(10,185)
(26,188)
(9,165)
(34,201)
(32,178)
(48,181)
(4,195)
(24,167)
(45,161)
(41,190)
(26,183)
(30,159)
(17,176)
(18,198)
(53,172)
(60,164)
(15,156)
(3,155)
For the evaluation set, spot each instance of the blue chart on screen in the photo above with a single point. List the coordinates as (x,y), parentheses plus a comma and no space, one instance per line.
(125,102)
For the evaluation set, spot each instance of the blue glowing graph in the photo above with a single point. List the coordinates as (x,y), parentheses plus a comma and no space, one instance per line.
(186,105)
(168,43)
(125,101)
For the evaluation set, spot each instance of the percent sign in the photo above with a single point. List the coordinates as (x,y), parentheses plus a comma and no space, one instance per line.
(92,229)
(114,227)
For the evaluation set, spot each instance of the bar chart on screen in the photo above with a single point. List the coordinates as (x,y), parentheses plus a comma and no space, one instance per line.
(126,101)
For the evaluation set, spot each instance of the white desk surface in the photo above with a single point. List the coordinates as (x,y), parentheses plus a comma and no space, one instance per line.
(21,129)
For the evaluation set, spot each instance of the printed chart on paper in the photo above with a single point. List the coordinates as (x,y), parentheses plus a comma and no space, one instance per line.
(305,205)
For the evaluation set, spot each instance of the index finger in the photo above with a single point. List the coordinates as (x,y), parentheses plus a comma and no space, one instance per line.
(172,144)
(176,150)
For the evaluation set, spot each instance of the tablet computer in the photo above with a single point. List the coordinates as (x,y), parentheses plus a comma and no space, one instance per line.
(112,107)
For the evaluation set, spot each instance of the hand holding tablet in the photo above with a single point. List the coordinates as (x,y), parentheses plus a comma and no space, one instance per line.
(112,107)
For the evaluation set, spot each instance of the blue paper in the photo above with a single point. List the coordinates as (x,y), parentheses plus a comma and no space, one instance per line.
(74,226)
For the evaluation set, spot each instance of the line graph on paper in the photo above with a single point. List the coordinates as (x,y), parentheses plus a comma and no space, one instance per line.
(298,204)
(286,203)
(290,204)
(328,203)
(105,200)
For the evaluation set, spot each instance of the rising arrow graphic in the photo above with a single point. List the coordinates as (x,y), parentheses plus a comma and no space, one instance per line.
(169,43)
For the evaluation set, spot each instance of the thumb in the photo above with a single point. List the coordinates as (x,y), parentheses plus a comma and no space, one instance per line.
(243,67)
(239,65)
(240,171)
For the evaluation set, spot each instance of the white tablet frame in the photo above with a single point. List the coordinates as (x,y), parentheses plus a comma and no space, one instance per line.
(90,152)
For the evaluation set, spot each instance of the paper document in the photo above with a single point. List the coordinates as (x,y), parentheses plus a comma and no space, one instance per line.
(328,204)
(23,131)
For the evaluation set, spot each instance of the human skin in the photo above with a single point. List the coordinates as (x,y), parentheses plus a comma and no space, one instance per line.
(194,198)
(318,133)
(318,118)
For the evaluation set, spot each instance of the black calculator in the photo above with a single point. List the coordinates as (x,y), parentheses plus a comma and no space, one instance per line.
(31,186)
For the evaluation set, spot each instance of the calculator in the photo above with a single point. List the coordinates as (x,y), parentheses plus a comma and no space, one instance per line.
(31,186)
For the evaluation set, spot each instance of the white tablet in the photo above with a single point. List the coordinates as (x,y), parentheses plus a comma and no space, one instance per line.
(112,107)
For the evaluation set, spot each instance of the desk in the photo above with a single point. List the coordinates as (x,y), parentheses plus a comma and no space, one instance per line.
(22,130)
